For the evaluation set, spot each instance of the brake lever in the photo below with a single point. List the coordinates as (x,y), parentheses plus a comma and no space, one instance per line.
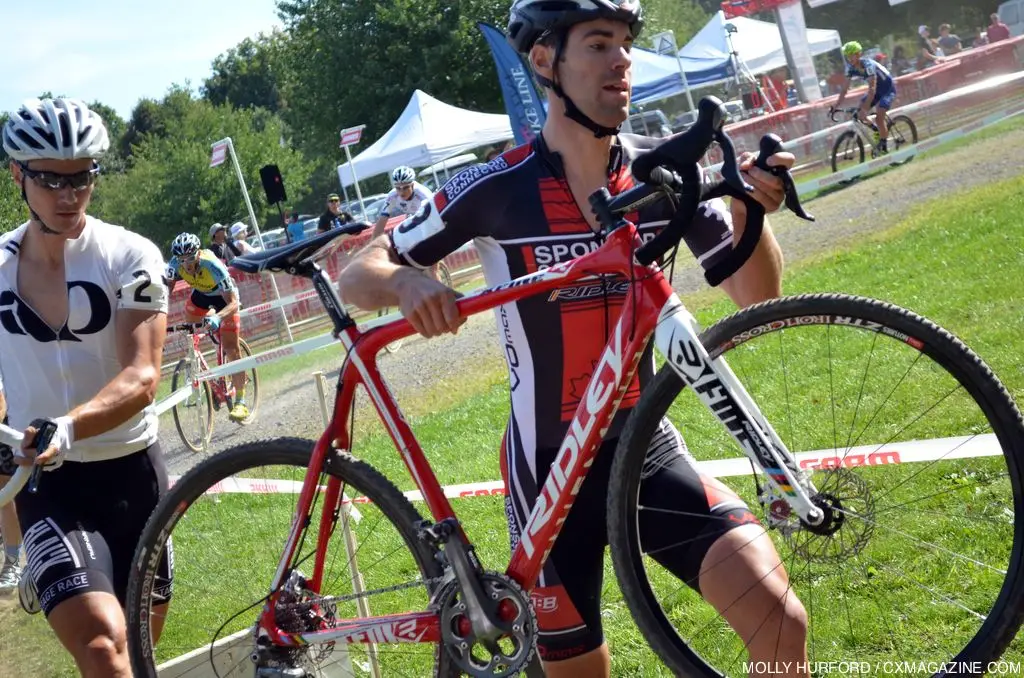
(730,167)
(769,146)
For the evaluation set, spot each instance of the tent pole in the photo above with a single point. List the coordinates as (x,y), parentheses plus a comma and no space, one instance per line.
(355,179)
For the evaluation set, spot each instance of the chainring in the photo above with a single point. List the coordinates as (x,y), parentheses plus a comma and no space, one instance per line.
(508,655)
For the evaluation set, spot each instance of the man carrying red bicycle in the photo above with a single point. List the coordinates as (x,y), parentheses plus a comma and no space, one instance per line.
(528,209)
(214,289)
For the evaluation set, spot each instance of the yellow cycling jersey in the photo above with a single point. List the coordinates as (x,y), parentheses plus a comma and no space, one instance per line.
(211,277)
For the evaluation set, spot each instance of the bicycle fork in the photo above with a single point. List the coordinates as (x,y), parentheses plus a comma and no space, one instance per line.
(677,337)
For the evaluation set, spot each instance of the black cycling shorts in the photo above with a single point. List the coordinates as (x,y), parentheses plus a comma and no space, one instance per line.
(81,528)
(700,509)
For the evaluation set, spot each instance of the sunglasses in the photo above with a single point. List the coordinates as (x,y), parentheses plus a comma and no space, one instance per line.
(54,181)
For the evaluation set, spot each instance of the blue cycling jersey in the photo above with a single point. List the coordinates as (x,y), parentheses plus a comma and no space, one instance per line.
(870,68)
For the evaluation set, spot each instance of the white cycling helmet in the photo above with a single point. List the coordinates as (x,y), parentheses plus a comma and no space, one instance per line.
(185,245)
(238,229)
(55,129)
(403,175)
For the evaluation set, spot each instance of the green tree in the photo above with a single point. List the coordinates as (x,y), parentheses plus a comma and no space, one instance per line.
(169,186)
(246,76)
(13,211)
(358,62)
(116,127)
(684,18)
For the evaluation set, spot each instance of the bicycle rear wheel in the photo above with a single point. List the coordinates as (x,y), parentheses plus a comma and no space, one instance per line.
(252,385)
(916,442)
(229,517)
(193,417)
(902,132)
(847,151)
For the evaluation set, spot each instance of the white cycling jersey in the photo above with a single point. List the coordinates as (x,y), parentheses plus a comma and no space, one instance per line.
(47,372)
(395,205)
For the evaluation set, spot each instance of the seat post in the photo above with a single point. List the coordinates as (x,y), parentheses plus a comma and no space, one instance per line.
(329,298)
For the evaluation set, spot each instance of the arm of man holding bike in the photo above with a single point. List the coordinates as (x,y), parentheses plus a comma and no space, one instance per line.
(376,278)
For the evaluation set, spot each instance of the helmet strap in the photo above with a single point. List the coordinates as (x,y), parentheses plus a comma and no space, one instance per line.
(35,217)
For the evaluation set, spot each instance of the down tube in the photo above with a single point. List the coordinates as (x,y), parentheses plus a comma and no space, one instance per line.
(609,383)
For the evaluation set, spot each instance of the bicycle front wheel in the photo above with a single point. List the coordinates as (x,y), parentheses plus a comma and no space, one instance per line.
(193,417)
(229,518)
(911,440)
(848,151)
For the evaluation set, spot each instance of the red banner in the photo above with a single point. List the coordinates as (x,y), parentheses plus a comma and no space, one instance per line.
(735,8)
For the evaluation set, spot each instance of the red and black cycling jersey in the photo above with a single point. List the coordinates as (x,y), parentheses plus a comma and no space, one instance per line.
(520,213)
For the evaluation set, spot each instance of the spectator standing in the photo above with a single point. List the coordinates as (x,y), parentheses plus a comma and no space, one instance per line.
(333,216)
(219,243)
(927,55)
(949,42)
(997,30)
(294,230)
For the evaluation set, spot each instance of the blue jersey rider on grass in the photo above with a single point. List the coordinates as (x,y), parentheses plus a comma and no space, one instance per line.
(881,89)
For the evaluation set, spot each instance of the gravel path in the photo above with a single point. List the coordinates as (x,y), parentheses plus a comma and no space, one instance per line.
(420,368)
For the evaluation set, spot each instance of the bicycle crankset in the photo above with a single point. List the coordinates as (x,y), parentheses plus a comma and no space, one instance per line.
(497,658)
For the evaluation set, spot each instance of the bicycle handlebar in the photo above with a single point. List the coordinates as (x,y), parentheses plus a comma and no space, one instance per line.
(24,474)
(185,327)
(852,112)
(672,169)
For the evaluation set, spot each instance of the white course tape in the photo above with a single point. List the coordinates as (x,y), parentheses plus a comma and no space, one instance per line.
(962,447)
(179,396)
(905,153)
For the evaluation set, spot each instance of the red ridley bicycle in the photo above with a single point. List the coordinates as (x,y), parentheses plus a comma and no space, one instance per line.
(917,558)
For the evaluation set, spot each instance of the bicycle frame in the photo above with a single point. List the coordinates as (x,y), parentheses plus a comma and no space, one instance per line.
(198,364)
(651,308)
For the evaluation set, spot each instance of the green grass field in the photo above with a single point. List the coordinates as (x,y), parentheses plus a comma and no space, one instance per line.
(956,261)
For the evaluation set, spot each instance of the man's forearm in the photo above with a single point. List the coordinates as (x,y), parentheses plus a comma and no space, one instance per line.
(131,390)
(378,228)
(373,280)
(760,278)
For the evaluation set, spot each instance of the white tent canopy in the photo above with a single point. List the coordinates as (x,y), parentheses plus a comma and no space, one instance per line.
(757,43)
(707,61)
(427,132)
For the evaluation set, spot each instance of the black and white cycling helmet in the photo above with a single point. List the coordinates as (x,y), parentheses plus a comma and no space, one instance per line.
(403,175)
(55,129)
(531,19)
(185,245)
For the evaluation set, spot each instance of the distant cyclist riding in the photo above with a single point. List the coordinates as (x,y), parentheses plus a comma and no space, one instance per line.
(405,198)
(881,89)
(212,288)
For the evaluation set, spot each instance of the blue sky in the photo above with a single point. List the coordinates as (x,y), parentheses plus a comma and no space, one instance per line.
(120,51)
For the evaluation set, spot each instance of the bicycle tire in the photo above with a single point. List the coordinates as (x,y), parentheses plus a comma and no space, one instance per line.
(947,351)
(281,451)
(839,145)
(252,388)
(205,395)
(894,123)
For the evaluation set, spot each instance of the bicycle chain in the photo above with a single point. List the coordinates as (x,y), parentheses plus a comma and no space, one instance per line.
(334,600)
